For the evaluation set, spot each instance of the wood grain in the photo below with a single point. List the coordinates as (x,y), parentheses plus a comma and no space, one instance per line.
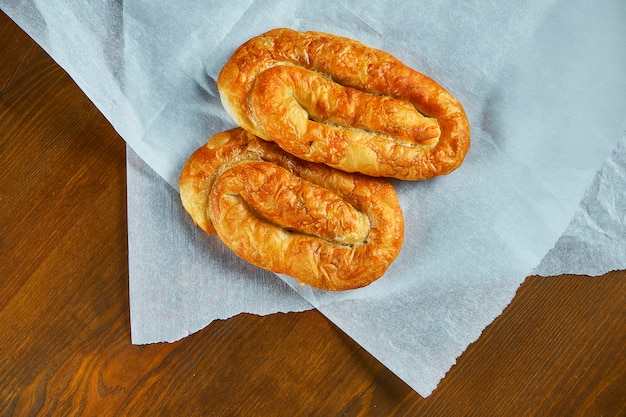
(557,350)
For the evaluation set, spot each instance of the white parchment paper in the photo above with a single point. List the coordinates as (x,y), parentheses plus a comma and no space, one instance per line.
(544,88)
(595,240)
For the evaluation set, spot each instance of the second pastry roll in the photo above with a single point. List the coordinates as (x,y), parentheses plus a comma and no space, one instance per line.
(327,228)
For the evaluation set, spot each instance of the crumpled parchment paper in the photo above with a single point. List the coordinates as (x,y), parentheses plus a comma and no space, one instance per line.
(544,88)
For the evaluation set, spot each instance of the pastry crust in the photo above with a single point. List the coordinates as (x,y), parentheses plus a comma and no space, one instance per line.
(327,228)
(333,100)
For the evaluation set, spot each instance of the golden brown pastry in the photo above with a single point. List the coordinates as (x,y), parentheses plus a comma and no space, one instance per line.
(329,229)
(333,100)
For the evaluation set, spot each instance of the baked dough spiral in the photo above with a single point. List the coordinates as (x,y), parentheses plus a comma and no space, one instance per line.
(327,228)
(333,100)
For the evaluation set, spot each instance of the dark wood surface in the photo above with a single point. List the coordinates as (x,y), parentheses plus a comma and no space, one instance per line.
(557,350)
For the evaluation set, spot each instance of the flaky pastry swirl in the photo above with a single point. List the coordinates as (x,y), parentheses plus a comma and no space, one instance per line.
(333,100)
(327,228)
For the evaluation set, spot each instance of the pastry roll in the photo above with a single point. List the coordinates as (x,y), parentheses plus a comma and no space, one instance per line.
(333,100)
(327,228)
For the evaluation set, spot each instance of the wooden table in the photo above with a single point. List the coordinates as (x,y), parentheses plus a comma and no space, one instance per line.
(557,350)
